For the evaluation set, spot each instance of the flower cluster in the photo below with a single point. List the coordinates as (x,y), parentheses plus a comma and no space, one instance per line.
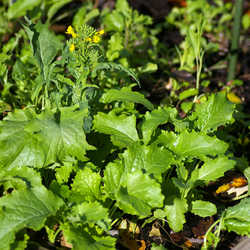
(96,37)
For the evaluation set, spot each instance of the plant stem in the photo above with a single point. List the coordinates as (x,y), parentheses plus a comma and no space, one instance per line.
(235,40)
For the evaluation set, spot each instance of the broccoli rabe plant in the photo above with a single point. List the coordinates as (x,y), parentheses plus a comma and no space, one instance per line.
(84,154)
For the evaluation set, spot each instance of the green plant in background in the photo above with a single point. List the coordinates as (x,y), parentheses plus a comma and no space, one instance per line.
(81,153)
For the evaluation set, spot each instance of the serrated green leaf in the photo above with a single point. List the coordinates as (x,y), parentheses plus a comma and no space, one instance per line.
(214,168)
(20,7)
(237,218)
(80,239)
(195,144)
(121,128)
(203,208)
(25,208)
(87,183)
(125,94)
(94,212)
(175,213)
(216,111)
(29,139)
(154,119)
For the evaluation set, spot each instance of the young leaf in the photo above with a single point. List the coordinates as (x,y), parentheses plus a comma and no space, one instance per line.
(216,111)
(127,95)
(203,208)
(121,128)
(237,218)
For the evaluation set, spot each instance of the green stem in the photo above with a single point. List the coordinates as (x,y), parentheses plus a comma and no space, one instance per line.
(235,40)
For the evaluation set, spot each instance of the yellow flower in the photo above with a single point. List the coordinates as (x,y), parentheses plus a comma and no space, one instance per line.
(100,32)
(88,39)
(96,39)
(70,31)
(71,47)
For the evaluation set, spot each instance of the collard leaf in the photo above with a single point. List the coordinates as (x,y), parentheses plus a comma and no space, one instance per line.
(237,218)
(215,168)
(125,94)
(195,144)
(216,111)
(154,119)
(80,239)
(121,128)
(87,183)
(203,208)
(25,208)
(20,7)
(175,212)
(28,139)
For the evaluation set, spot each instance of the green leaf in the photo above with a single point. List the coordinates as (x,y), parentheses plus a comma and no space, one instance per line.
(20,7)
(25,208)
(175,212)
(213,169)
(87,183)
(83,240)
(216,111)
(94,212)
(114,21)
(28,139)
(203,208)
(139,194)
(121,128)
(155,160)
(127,95)
(154,119)
(112,178)
(237,218)
(45,46)
(136,193)
(195,144)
